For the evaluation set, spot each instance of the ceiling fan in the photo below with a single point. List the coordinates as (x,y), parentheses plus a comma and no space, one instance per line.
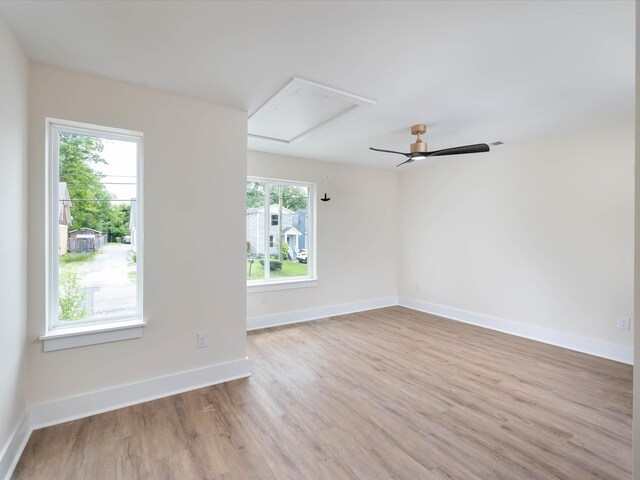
(418,150)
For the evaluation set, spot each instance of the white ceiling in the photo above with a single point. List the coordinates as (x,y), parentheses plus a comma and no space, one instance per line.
(474,71)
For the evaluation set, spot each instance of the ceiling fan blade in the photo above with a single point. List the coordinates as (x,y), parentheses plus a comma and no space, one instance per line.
(406,161)
(476,148)
(389,151)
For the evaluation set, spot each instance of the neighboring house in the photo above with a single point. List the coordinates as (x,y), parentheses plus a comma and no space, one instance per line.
(301,222)
(256,230)
(64,217)
(86,240)
(292,236)
(133,224)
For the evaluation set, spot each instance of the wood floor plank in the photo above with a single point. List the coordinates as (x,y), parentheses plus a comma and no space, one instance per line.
(385,394)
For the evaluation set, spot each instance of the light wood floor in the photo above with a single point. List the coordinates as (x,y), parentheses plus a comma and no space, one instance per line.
(390,393)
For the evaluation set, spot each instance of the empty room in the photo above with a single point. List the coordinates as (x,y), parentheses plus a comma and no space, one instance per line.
(319,240)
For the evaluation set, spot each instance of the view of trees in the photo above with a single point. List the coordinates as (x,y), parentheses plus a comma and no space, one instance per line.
(118,225)
(294,198)
(91,204)
(255,194)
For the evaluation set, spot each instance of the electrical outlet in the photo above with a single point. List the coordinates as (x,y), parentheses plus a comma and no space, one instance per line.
(202,340)
(624,323)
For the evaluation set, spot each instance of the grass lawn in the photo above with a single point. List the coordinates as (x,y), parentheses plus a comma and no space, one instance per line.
(72,260)
(290,268)
(67,267)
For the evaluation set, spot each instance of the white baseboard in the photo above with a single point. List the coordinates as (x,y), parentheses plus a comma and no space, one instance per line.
(12,451)
(297,316)
(570,341)
(72,408)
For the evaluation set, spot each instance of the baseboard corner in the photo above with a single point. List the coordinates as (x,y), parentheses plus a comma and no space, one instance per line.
(12,451)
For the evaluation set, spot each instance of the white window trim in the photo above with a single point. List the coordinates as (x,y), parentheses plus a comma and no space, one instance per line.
(311,280)
(58,336)
(82,335)
(281,285)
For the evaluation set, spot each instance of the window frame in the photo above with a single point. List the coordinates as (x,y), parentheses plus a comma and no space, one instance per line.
(310,280)
(54,329)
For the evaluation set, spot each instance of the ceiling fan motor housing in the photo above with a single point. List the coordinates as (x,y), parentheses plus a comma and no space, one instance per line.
(419,145)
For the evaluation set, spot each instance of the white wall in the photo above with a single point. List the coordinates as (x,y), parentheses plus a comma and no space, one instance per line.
(13,264)
(194,188)
(538,234)
(356,235)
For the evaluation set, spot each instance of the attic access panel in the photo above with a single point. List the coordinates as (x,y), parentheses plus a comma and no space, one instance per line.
(300,107)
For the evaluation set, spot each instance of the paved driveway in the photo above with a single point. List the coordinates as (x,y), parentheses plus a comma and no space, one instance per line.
(107,283)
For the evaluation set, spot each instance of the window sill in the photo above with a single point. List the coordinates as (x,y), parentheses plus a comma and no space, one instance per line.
(84,335)
(281,285)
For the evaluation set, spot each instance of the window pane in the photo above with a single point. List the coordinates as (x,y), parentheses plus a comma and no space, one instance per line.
(291,205)
(278,238)
(256,245)
(97,229)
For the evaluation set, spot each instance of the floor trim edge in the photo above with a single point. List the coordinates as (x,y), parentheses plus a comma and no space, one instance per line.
(73,408)
(15,446)
(570,341)
(298,316)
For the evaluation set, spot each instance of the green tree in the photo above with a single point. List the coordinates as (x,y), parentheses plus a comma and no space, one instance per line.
(294,198)
(90,201)
(118,223)
(255,194)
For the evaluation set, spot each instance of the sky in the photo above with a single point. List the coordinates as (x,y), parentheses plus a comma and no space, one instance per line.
(120,168)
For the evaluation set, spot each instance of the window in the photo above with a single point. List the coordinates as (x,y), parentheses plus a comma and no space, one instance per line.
(280,241)
(95,230)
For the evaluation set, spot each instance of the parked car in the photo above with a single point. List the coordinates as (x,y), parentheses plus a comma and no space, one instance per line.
(126,239)
(301,256)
